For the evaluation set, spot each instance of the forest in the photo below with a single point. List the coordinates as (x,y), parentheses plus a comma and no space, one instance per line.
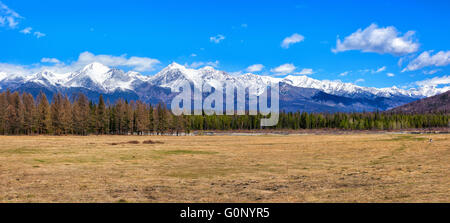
(22,114)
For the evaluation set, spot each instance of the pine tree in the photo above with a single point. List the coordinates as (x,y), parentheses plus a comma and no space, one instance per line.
(92,118)
(150,119)
(80,115)
(29,113)
(3,108)
(14,113)
(44,121)
(102,124)
(57,114)
(142,118)
(67,115)
(161,119)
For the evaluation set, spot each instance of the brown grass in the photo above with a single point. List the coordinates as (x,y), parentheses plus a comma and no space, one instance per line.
(293,168)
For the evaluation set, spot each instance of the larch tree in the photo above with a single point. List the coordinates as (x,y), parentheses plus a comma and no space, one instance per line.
(29,113)
(102,124)
(3,107)
(141,117)
(67,115)
(57,114)
(80,115)
(44,121)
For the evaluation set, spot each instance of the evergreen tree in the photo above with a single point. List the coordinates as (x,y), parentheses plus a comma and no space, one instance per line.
(57,114)
(102,124)
(80,115)
(141,118)
(29,113)
(44,121)
(67,116)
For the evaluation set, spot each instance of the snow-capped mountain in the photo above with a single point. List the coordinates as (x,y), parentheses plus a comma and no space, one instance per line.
(91,76)
(96,78)
(3,75)
(48,78)
(352,90)
(175,75)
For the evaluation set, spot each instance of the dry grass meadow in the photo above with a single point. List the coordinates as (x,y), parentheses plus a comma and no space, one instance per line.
(268,168)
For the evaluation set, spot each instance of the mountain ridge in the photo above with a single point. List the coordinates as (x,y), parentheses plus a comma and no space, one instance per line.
(96,78)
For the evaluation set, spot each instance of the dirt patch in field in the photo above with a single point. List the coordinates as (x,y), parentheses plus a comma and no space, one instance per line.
(123,143)
(152,142)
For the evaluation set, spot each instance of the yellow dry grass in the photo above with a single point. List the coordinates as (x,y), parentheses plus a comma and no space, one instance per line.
(293,168)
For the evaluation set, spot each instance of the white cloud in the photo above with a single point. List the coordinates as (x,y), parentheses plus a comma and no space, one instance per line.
(294,38)
(373,71)
(236,73)
(217,39)
(284,69)
(193,55)
(15,69)
(39,34)
(390,74)
(213,64)
(433,82)
(198,64)
(344,73)
(136,63)
(26,30)
(255,68)
(140,64)
(381,69)
(379,40)
(12,22)
(49,60)
(359,80)
(442,58)
(431,71)
(8,16)
(305,71)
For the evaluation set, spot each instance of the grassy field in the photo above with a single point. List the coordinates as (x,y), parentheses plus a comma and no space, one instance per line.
(292,168)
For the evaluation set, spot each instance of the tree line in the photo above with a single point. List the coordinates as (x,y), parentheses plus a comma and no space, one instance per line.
(21,113)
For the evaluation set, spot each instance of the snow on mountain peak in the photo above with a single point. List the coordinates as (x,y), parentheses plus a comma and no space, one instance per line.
(91,76)
(340,88)
(96,71)
(95,67)
(175,65)
(48,78)
(98,77)
(174,75)
(2,75)
(208,68)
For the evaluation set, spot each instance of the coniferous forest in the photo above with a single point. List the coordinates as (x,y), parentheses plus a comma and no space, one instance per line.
(22,114)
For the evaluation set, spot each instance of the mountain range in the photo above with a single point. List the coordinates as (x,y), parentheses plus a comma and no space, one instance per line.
(296,92)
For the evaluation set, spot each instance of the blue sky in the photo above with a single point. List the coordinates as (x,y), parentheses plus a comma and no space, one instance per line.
(382,43)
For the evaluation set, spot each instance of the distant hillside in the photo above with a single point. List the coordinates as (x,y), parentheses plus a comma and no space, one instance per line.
(437,103)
